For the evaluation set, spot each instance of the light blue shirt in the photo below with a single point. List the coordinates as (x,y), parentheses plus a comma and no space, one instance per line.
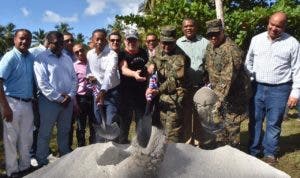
(70,54)
(16,69)
(274,61)
(55,76)
(195,50)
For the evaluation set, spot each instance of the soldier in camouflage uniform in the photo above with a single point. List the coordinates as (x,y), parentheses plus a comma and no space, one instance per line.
(170,66)
(224,66)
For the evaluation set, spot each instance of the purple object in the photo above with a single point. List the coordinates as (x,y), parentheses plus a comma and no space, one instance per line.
(152,84)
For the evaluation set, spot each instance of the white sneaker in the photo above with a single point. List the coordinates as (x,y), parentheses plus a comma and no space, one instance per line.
(52,158)
(33,162)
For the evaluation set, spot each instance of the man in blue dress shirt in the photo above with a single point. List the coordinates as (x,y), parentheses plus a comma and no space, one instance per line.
(16,85)
(57,82)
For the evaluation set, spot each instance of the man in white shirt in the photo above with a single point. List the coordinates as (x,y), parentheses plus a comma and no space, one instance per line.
(274,67)
(103,66)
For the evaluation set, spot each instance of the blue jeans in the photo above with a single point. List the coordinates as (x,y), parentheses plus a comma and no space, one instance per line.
(268,101)
(52,112)
(111,105)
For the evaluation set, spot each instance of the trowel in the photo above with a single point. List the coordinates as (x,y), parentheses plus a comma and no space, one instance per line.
(104,130)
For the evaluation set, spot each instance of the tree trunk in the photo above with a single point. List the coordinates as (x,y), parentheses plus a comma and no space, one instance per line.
(219,10)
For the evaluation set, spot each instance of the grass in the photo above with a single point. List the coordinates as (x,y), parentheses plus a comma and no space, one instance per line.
(289,160)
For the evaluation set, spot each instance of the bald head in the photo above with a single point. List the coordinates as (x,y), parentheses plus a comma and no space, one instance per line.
(276,26)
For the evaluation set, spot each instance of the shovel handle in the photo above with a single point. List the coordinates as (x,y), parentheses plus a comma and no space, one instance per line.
(103,116)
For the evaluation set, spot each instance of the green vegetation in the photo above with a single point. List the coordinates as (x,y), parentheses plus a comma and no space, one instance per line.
(243,19)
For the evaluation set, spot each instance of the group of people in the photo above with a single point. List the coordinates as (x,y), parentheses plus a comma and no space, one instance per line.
(71,84)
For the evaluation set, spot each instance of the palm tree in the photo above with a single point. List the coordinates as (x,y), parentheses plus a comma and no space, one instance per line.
(63,27)
(79,38)
(38,37)
(6,37)
(9,31)
(2,41)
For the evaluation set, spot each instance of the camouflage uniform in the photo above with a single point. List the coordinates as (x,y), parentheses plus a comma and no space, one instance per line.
(171,74)
(224,65)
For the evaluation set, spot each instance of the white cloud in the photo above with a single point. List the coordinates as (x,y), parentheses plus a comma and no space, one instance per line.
(95,7)
(24,11)
(50,16)
(129,8)
(123,7)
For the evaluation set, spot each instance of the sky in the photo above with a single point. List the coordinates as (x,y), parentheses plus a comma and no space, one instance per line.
(83,15)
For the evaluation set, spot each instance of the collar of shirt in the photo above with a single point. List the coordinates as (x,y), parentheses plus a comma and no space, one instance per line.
(50,53)
(281,37)
(19,53)
(42,47)
(184,38)
(105,50)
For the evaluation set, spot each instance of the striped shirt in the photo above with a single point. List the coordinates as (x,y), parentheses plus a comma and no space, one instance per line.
(274,62)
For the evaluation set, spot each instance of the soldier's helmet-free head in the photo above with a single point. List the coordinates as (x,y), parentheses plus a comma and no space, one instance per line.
(131,33)
(168,34)
(214,26)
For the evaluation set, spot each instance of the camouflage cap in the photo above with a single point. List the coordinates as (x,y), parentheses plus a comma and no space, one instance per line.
(168,33)
(214,26)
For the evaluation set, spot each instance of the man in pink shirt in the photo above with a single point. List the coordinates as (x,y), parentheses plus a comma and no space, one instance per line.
(84,106)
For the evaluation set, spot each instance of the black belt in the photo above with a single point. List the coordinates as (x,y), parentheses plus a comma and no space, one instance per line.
(21,99)
(274,85)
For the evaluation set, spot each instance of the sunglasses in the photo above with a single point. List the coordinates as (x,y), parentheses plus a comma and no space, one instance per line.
(69,40)
(167,42)
(131,40)
(56,43)
(149,41)
(79,51)
(115,40)
(215,34)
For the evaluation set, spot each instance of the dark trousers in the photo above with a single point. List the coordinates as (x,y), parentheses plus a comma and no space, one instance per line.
(85,103)
(132,105)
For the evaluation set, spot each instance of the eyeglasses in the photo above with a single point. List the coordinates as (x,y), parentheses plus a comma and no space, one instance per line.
(115,40)
(79,51)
